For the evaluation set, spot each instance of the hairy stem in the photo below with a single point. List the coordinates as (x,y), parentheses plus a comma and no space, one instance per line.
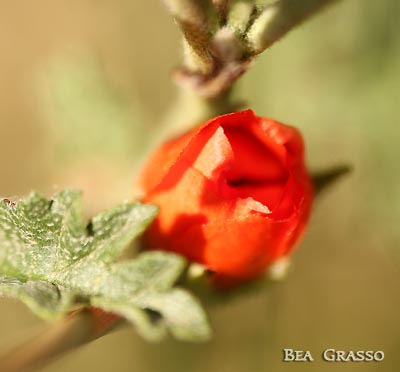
(192,16)
(239,15)
(222,9)
(279,18)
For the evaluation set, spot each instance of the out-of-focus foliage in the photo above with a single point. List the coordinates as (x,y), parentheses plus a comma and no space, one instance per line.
(87,114)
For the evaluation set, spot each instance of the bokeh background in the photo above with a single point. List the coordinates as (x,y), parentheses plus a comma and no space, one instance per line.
(83,85)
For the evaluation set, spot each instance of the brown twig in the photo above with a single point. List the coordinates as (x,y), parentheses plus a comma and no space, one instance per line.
(70,333)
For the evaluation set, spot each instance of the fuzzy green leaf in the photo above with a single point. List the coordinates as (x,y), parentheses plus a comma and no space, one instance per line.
(182,313)
(52,262)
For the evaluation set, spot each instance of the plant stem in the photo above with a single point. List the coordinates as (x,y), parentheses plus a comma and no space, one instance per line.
(193,19)
(279,18)
(222,8)
(218,53)
(190,109)
(51,343)
(239,15)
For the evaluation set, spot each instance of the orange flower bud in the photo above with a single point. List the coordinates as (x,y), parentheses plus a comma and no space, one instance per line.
(234,194)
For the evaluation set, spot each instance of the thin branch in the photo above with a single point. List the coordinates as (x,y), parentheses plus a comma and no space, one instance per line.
(239,15)
(192,16)
(222,9)
(69,334)
(279,18)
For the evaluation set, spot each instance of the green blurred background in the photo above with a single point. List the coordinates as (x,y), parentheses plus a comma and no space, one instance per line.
(84,84)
